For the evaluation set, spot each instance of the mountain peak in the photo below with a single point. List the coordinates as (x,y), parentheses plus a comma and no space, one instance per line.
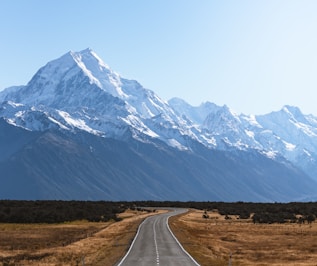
(77,96)
(81,79)
(87,50)
(88,54)
(88,60)
(294,110)
(67,79)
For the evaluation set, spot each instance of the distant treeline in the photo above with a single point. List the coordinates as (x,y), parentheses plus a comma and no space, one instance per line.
(16,211)
(300,212)
(12,211)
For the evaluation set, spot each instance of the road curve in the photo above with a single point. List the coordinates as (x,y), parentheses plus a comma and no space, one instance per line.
(155,244)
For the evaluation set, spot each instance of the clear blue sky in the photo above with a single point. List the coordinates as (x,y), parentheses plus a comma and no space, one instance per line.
(254,56)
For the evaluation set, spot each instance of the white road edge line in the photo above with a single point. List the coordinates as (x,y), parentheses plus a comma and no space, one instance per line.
(180,243)
(132,244)
(137,234)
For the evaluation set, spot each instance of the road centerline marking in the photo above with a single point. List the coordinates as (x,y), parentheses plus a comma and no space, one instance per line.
(155,242)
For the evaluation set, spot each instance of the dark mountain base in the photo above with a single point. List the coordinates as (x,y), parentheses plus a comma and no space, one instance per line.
(82,166)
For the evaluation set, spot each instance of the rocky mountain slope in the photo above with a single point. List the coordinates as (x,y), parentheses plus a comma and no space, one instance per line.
(78,130)
(287,133)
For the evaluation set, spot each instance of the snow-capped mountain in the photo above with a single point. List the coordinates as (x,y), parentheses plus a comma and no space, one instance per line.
(79,90)
(76,105)
(287,133)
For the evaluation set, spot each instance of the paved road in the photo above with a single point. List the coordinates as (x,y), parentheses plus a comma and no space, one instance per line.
(156,245)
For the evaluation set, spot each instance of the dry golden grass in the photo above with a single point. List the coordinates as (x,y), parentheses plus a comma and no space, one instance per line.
(68,244)
(211,241)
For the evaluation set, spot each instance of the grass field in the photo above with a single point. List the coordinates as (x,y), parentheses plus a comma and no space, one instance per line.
(68,244)
(212,241)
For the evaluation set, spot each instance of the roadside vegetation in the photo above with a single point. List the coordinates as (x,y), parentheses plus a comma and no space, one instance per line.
(221,240)
(12,211)
(259,212)
(70,243)
(58,211)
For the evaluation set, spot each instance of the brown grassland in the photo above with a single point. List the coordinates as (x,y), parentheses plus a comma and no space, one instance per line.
(73,243)
(211,241)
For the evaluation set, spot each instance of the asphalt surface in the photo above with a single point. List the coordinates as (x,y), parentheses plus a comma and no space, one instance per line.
(156,245)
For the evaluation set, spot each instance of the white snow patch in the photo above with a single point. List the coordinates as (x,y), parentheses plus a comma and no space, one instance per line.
(305,151)
(211,140)
(78,123)
(13,104)
(174,143)
(11,122)
(58,123)
(270,154)
(304,128)
(139,125)
(146,111)
(289,146)
(251,119)
(241,145)
(19,114)
(249,133)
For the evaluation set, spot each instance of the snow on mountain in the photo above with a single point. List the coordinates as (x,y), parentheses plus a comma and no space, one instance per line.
(77,104)
(90,96)
(78,91)
(295,125)
(297,135)
(196,114)
(287,133)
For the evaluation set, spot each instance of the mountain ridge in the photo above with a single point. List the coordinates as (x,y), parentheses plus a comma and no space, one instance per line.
(78,94)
